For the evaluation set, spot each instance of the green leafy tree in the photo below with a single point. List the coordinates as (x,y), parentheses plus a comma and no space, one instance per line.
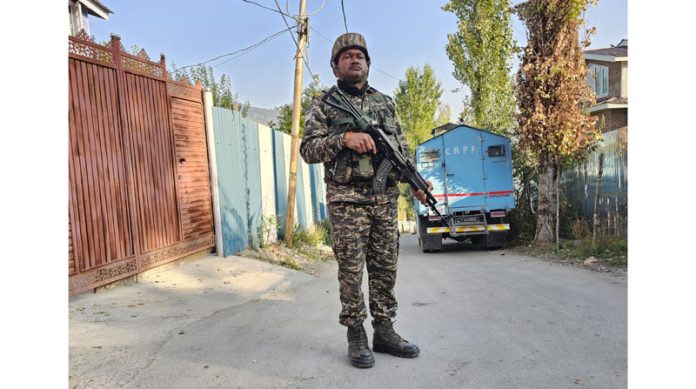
(419,110)
(283,122)
(444,115)
(555,128)
(481,51)
(221,89)
(417,100)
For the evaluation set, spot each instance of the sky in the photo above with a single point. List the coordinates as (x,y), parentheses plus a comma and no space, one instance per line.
(399,34)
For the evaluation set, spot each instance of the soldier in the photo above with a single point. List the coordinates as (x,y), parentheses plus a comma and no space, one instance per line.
(364,224)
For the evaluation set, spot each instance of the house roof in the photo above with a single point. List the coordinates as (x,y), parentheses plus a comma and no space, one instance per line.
(610,103)
(96,8)
(613,51)
(609,54)
(612,100)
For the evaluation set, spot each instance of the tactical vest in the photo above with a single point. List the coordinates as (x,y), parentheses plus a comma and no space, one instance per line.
(349,166)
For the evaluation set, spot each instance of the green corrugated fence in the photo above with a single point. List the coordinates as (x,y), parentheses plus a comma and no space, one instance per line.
(253,167)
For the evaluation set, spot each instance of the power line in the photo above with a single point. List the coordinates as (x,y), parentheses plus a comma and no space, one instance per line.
(343,9)
(317,11)
(287,9)
(295,40)
(252,47)
(386,74)
(320,34)
(329,40)
(243,51)
(283,15)
(270,9)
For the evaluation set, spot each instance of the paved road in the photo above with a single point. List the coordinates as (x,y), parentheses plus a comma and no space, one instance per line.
(483,319)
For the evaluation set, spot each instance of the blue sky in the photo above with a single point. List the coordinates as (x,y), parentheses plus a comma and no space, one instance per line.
(398,33)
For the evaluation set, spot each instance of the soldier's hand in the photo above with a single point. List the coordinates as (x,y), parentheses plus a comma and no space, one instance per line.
(420,195)
(360,142)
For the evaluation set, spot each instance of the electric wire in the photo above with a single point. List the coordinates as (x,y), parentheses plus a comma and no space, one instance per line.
(320,34)
(317,11)
(242,51)
(372,66)
(345,22)
(297,45)
(386,74)
(270,9)
(255,46)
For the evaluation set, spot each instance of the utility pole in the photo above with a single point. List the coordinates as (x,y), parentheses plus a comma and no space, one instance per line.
(302,30)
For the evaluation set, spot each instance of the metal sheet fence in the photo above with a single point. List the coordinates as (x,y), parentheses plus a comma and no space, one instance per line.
(253,168)
(579,184)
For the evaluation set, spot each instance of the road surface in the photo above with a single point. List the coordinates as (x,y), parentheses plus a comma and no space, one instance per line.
(482,319)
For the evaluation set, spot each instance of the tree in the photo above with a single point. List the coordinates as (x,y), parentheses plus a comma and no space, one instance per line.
(481,51)
(444,115)
(555,128)
(221,90)
(283,122)
(417,100)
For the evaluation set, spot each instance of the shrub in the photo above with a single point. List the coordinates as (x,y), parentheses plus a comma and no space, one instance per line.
(579,229)
(311,236)
(269,225)
(326,226)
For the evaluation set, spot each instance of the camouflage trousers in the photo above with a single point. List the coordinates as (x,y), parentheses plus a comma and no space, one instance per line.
(365,235)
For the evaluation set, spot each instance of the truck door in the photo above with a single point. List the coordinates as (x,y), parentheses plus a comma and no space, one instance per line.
(497,171)
(465,187)
(429,161)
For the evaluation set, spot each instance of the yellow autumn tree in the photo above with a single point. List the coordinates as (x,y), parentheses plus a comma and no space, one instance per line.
(555,128)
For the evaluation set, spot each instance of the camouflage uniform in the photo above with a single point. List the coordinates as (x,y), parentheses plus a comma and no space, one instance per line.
(364,225)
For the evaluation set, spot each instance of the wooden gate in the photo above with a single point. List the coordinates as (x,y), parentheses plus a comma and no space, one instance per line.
(138,165)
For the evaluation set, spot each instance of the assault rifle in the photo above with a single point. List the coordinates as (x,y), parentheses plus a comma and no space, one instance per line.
(392,157)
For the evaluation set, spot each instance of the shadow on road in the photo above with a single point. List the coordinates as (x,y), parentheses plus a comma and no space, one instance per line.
(448,245)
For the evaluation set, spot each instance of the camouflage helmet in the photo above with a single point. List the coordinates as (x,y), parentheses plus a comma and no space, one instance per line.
(350,40)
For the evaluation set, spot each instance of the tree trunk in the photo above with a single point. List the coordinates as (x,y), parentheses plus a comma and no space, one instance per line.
(544,229)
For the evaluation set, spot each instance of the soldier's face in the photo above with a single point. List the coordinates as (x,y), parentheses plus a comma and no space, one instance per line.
(353,65)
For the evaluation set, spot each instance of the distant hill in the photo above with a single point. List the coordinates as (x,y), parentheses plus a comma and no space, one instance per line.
(262,115)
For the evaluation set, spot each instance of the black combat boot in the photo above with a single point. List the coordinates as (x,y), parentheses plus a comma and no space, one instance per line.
(358,350)
(386,340)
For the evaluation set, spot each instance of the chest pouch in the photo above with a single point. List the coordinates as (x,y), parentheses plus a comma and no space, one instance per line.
(362,166)
(342,171)
(349,165)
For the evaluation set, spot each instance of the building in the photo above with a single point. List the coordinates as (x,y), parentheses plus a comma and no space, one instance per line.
(602,179)
(79,12)
(608,77)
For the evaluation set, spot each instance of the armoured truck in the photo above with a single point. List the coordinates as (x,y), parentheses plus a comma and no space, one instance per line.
(471,173)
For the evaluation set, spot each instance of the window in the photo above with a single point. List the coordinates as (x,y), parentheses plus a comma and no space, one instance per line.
(598,79)
(496,151)
(429,158)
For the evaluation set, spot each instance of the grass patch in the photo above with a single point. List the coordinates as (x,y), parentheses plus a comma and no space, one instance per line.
(309,248)
(607,251)
(311,236)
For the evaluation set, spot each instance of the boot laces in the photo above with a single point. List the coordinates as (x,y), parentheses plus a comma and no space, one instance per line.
(386,329)
(357,337)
